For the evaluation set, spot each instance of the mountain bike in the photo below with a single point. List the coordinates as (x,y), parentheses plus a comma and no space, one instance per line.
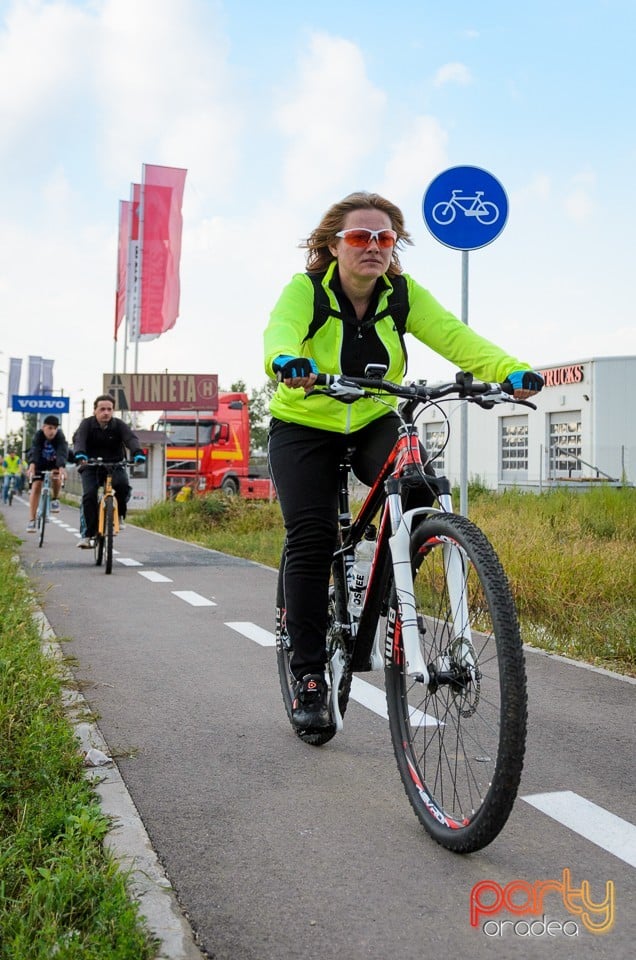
(107,513)
(44,505)
(438,596)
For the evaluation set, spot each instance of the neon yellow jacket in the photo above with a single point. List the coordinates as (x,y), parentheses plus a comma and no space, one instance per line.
(427,320)
(12,463)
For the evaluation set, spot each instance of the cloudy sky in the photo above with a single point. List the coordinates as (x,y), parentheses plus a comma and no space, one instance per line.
(277,110)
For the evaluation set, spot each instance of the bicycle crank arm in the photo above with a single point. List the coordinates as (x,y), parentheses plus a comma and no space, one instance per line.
(336,672)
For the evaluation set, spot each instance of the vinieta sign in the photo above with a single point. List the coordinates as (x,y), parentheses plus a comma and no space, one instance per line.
(163,391)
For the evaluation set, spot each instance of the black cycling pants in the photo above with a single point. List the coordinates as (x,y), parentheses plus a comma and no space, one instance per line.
(92,478)
(304,466)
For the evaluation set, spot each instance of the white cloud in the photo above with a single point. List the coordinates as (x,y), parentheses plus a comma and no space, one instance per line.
(41,51)
(414,160)
(166,92)
(579,204)
(453,73)
(536,190)
(332,121)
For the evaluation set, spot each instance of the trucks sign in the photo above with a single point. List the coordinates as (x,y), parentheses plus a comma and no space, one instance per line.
(163,391)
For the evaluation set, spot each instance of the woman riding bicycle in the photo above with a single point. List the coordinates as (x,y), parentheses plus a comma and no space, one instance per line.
(353,268)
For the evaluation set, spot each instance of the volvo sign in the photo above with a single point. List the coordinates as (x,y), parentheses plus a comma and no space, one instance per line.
(39,404)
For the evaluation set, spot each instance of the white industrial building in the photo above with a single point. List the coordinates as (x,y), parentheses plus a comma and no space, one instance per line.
(583,430)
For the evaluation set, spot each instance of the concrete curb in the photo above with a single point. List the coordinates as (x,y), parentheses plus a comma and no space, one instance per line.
(127,839)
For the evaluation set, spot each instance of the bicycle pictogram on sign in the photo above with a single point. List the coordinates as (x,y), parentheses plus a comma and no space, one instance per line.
(446,210)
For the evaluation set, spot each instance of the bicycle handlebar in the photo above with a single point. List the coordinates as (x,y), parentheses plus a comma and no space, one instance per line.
(464,387)
(100,462)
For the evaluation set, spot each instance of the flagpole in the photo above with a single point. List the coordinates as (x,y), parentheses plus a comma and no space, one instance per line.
(6,415)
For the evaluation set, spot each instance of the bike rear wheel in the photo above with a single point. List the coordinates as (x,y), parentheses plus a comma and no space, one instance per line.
(336,651)
(459,741)
(42,515)
(109,533)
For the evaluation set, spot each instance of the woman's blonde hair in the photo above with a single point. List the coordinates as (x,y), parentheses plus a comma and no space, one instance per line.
(317,243)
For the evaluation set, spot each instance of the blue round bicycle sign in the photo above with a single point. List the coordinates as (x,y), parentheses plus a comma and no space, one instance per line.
(465,208)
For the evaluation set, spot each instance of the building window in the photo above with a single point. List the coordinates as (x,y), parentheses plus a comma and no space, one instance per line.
(565,444)
(435,438)
(514,448)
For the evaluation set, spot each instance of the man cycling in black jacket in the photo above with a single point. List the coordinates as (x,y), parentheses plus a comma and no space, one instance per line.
(105,436)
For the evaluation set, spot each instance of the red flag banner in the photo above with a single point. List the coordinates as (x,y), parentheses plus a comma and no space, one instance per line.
(125,207)
(161,225)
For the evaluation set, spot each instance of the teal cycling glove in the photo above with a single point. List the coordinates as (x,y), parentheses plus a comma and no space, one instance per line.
(524,380)
(289,367)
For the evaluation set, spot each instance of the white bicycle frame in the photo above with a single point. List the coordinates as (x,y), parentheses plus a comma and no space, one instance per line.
(46,485)
(455,569)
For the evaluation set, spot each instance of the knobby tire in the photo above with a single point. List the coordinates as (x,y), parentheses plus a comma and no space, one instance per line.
(459,743)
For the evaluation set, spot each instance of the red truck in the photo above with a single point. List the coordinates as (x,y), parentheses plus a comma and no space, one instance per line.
(208,451)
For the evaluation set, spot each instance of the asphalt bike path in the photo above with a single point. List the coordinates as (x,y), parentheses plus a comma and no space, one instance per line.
(277,850)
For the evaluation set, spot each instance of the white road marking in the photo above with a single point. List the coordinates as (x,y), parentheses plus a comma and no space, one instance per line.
(253,632)
(194,599)
(373,698)
(154,576)
(128,561)
(601,827)
(369,696)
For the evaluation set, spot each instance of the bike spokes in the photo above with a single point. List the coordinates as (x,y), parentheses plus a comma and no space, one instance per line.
(459,739)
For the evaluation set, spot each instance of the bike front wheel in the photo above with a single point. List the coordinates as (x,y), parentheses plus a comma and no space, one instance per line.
(109,533)
(459,741)
(338,663)
(42,515)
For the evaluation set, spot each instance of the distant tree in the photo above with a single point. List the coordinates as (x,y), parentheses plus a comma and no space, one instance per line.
(31,421)
(258,402)
(259,414)
(13,440)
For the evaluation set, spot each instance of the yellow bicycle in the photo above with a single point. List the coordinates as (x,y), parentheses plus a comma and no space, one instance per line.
(107,513)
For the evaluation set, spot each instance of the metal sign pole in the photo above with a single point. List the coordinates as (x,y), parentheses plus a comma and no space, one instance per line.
(463,457)
(465,208)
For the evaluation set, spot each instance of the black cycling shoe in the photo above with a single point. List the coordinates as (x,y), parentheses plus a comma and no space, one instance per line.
(310,709)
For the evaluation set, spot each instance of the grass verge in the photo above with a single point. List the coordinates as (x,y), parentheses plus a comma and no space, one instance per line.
(570,558)
(62,894)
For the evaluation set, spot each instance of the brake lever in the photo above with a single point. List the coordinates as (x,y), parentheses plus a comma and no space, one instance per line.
(339,390)
(488,401)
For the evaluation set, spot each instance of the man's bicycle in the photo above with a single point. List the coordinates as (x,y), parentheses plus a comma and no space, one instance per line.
(107,512)
(450,642)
